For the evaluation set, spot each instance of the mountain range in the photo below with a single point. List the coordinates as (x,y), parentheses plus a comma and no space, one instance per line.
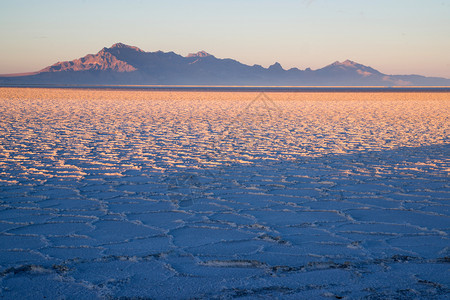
(121,64)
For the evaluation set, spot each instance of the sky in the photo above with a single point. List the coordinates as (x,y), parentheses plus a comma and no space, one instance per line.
(392,36)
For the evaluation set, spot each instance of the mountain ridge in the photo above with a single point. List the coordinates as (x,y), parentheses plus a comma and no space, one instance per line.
(125,64)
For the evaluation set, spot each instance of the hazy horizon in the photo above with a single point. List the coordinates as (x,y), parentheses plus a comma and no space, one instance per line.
(401,37)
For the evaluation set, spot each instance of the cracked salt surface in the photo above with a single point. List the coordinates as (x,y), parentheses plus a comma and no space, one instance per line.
(221,195)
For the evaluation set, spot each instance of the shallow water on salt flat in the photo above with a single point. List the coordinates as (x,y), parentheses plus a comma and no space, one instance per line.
(223,194)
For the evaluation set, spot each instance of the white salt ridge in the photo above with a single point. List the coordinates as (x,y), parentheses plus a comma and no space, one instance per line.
(180,195)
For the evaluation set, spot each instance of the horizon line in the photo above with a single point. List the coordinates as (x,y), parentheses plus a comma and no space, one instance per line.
(231,88)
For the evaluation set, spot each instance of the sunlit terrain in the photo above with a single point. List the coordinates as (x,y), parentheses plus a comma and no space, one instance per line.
(158,194)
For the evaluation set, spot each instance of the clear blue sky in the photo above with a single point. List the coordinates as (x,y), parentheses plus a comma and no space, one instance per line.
(393,36)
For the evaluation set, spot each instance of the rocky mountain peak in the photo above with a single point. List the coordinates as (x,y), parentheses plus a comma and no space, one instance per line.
(199,54)
(276,66)
(123,46)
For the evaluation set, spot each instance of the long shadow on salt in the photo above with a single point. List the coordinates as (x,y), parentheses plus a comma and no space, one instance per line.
(367,224)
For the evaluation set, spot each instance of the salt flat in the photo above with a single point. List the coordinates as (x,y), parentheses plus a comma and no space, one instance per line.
(107,193)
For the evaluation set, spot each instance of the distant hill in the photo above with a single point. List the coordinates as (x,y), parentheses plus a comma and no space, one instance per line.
(123,64)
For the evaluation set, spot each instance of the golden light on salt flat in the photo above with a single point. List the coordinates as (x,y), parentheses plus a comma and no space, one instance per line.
(177,126)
